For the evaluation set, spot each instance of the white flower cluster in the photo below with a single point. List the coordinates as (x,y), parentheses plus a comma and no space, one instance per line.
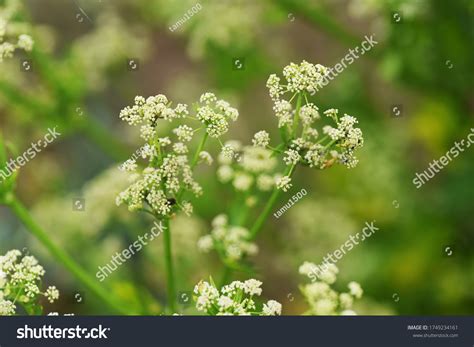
(231,242)
(10,36)
(303,143)
(147,112)
(170,171)
(234,299)
(322,299)
(284,183)
(305,77)
(215,114)
(261,139)
(253,168)
(158,188)
(20,280)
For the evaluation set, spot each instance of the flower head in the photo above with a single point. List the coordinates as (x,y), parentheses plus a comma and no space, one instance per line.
(283,183)
(322,299)
(261,139)
(20,283)
(298,119)
(169,173)
(215,114)
(236,298)
(10,26)
(231,241)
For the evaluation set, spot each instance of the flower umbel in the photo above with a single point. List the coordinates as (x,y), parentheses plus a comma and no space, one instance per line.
(20,281)
(11,35)
(322,299)
(302,143)
(234,299)
(231,242)
(159,187)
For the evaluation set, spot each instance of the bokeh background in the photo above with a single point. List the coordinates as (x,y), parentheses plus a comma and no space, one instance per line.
(92,57)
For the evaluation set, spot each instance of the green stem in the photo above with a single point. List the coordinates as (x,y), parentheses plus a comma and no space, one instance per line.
(199,150)
(257,226)
(22,213)
(169,267)
(276,192)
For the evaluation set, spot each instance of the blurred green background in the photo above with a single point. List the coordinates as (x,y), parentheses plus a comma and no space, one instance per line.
(82,76)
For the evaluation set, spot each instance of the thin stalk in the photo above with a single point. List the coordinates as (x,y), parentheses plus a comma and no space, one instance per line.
(22,213)
(257,226)
(199,150)
(169,267)
(265,213)
(276,192)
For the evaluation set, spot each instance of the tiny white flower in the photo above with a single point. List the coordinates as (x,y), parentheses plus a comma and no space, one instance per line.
(225,302)
(252,287)
(184,133)
(219,221)
(25,42)
(52,294)
(355,289)
(292,157)
(228,151)
(205,157)
(205,243)
(225,173)
(242,181)
(272,308)
(283,183)
(261,139)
